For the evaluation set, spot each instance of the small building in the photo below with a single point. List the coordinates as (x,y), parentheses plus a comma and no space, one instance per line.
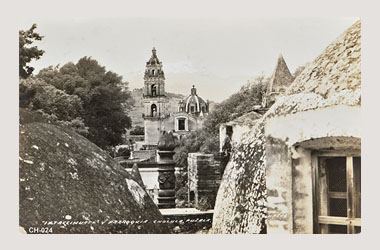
(298,168)
(191,112)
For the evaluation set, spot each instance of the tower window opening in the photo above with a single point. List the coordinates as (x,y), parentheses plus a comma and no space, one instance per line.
(154,90)
(153,110)
(203,109)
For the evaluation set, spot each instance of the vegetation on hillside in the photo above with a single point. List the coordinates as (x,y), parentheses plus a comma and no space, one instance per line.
(206,140)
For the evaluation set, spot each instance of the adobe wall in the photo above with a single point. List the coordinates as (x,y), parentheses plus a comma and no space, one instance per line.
(302,188)
(291,139)
(279,186)
(338,120)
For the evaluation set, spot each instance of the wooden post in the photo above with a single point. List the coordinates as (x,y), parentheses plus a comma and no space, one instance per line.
(350,192)
(323,194)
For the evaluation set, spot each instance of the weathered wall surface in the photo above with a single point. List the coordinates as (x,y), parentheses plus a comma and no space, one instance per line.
(241,201)
(319,111)
(338,120)
(66,178)
(289,176)
(302,191)
(204,179)
(279,186)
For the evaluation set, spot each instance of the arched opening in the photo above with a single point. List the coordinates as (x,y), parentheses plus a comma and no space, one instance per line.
(154,90)
(203,109)
(229,131)
(152,71)
(192,109)
(153,110)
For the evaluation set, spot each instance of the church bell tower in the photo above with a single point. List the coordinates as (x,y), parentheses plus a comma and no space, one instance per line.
(154,99)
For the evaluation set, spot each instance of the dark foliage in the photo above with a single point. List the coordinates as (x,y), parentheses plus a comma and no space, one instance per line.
(26,52)
(206,140)
(86,92)
(138,130)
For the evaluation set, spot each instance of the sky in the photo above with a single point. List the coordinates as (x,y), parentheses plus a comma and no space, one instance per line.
(217,55)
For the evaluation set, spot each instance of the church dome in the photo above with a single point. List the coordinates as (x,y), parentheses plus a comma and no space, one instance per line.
(194,104)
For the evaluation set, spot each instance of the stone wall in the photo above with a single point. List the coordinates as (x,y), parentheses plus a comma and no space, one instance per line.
(241,201)
(204,179)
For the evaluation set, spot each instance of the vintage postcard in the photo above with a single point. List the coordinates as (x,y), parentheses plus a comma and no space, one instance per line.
(190,125)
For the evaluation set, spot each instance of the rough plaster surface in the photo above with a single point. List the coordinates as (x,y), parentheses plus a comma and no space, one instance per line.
(241,203)
(302,191)
(331,121)
(323,102)
(279,186)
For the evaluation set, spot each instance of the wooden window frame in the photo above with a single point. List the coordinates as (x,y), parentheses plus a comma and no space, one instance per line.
(320,218)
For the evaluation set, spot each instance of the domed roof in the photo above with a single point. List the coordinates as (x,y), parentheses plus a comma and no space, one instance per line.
(195,101)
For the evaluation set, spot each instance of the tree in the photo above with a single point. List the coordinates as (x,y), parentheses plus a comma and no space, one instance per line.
(27,53)
(105,97)
(237,104)
(52,103)
(206,140)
